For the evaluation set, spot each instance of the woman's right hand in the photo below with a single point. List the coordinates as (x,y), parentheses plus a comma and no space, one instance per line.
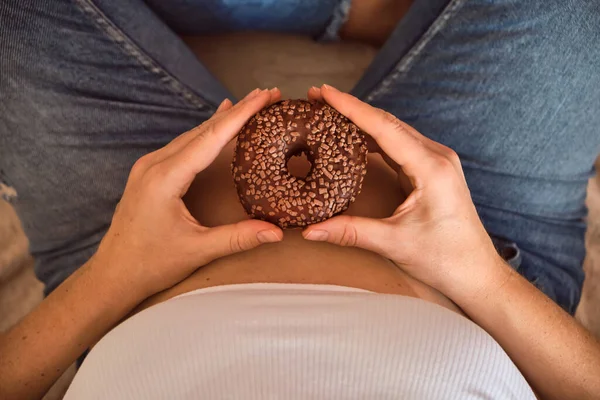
(435,235)
(153,241)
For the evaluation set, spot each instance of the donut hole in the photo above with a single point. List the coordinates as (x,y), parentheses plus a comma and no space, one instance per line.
(298,164)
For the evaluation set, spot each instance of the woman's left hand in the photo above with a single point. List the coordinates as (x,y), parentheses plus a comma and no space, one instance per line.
(435,235)
(153,241)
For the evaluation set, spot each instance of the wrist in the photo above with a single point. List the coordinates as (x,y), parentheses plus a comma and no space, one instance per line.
(117,279)
(484,281)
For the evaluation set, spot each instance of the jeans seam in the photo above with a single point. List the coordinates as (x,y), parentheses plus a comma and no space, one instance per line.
(133,50)
(335,23)
(406,62)
(554,219)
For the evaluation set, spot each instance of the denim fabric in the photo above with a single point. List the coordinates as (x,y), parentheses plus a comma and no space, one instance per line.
(88,86)
(513,87)
(316,18)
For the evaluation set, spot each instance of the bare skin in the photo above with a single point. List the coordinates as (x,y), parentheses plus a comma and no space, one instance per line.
(373,21)
(212,200)
(434,236)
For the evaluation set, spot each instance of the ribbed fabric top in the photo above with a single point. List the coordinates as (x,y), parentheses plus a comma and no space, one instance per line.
(278,341)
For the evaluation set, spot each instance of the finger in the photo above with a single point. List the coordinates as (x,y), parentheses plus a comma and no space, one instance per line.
(314,94)
(432,145)
(395,138)
(182,140)
(367,233)
(275,95)
(238,115)
(224,240)
(448,153)
(410,129)
(438,148)
(225,105)
(200,152)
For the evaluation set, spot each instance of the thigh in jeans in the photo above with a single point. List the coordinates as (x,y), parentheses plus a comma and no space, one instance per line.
(85,90)
(514,88)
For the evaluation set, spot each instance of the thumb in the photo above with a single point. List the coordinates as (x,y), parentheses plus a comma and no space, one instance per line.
(346,230)
(223,240)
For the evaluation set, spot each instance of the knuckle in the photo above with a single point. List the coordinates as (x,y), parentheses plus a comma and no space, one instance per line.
(142,164)
(392,121)
(197,130)
(208,132)
(443,164)
(349,235)
(452,155)
(234,243)
(441,169)
(238,243)
(388,116)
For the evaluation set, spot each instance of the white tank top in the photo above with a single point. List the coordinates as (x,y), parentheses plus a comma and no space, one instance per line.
(278,341)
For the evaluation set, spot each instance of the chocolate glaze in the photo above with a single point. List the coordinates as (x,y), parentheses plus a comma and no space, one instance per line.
(335,147)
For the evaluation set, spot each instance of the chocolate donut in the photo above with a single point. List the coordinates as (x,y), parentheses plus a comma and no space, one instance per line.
(334,146)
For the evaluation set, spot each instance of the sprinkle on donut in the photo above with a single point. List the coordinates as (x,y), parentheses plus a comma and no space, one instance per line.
(334,146)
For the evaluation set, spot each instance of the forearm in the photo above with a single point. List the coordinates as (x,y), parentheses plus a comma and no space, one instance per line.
(35,352)
(559,358)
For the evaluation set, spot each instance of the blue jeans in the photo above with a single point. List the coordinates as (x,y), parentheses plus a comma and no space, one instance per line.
(89,86)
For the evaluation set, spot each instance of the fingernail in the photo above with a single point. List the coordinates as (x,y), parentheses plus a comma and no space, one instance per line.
(274,90)
(267,237)
(317,235)
(326,86)
(252,94)
(314,88)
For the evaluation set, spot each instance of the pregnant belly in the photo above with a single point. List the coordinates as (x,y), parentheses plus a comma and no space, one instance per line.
(213,201)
